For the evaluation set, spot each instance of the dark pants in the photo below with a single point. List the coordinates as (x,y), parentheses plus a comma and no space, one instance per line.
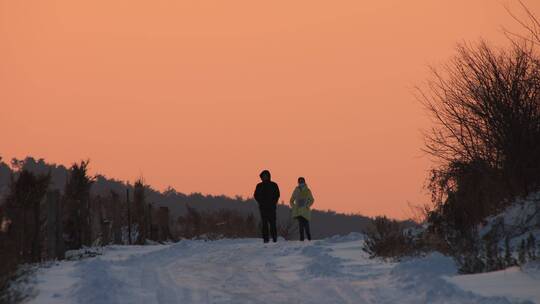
(303,225)
(268,218)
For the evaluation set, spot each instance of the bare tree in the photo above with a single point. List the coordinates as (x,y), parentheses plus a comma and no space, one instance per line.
(485,105)
(530,23)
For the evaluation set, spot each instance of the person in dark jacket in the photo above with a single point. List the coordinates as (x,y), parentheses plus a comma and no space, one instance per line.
(267,196)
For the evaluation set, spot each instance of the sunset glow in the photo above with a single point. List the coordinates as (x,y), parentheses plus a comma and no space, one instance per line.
(203,95)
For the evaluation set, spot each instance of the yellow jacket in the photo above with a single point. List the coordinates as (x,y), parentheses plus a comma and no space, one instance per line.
(301,202)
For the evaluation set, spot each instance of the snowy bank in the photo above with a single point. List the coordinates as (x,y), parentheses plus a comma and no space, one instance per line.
(335,270)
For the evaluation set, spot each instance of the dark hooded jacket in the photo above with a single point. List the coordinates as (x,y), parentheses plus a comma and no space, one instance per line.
(267,195)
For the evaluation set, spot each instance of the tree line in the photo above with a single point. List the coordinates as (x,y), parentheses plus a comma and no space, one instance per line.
(40,222)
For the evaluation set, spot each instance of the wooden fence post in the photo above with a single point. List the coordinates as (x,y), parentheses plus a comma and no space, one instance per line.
(60,244)
(129,216)
(116,219)
(150,230)
(163,222)
(55,242)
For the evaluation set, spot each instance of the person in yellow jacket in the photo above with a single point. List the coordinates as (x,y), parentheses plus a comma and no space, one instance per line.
(301,202)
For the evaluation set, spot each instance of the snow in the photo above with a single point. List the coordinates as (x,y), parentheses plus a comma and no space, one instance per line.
(511,282)
(335,270)
(57,282)
(517,222)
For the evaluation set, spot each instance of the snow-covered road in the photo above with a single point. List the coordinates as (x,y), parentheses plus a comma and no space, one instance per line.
(246,271)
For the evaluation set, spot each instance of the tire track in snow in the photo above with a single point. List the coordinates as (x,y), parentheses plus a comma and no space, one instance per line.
(246,271)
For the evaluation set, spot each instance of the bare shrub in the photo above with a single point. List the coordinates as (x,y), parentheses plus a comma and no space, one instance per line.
(224,223)
(485,104)
(389,238)
(287,229)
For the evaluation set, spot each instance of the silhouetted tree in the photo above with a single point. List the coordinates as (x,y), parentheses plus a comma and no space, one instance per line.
(77,200)
(486,136)
(139,204)
(23,209)
(530,23)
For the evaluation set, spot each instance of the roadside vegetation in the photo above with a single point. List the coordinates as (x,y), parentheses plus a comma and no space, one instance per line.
(485,147)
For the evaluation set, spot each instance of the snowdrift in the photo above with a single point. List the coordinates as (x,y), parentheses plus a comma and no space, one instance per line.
(334,270)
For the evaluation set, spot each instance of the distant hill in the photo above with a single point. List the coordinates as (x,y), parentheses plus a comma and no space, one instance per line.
(324,223)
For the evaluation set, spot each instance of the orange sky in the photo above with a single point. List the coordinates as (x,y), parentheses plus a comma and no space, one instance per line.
(202,95)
